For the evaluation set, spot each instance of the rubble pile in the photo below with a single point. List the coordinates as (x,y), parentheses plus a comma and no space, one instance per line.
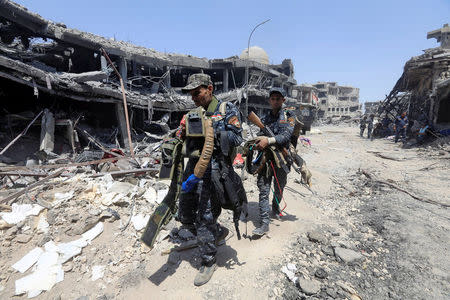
(49,228)
(368,255)
(423,90)
(337,120)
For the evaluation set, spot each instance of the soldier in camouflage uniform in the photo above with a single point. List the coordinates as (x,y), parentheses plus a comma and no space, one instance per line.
(198,209)
(281,122)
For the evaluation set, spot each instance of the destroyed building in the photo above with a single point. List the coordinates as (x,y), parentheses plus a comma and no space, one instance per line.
(423,90)
(305,93)
(371,107)
(337,100)
(62,75)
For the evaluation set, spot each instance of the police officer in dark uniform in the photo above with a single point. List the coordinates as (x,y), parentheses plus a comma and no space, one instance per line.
(362,125)
(281,123)
(370,126)
(400,126)
(198,208)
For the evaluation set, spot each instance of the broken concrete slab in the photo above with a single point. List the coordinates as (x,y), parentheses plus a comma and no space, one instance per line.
(347,256)
(309,287)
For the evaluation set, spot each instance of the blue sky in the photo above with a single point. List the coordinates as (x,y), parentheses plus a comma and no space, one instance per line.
(359,43)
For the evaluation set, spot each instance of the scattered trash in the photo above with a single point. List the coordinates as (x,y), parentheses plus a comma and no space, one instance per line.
(62,197)
(42,225)
(20,212)
(48,264)
(28,260)
(46,274)
(289,270)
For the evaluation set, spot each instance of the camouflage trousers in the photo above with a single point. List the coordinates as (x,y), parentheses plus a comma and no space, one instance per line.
(197,208)
(264,183)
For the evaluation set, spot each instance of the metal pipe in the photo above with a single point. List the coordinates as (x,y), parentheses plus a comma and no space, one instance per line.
(125,107)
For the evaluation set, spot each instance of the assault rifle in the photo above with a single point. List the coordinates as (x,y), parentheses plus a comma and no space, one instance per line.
(292,158)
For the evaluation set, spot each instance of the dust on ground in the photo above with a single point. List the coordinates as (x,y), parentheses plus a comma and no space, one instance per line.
(356,237)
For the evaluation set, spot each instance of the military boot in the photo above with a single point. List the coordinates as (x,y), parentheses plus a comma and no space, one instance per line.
(261,230)
(204,274)
(223,233)
(276,212)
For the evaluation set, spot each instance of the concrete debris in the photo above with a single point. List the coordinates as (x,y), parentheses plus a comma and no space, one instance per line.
(317,237)
(49,269)
(139,221)
(20,212)
(98,272)
(23,238)
(422,91)
(28,260)
(150,195)
(309,287)
(61,197)
(347,256)
(74,175)
(289,270)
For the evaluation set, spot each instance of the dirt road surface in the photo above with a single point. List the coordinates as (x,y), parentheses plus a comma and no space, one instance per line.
(359,236)
(404,241)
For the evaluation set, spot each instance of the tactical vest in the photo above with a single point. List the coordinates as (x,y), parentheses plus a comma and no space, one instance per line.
(195,128)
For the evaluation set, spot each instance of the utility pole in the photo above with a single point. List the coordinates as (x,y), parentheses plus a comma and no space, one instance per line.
(247,68)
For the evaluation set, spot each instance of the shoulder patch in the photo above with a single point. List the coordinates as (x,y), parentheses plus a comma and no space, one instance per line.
(234,121)
(291,121)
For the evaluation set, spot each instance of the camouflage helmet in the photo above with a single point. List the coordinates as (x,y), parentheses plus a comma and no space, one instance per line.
(277,90)
(196,80)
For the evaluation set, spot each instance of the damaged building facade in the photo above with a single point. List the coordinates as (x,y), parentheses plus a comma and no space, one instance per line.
(336,100)
(59,82)
(423,90)
(371,107)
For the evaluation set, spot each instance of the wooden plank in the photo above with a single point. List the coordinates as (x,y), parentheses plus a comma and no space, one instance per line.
(125,172)
(24,174)
(14,196)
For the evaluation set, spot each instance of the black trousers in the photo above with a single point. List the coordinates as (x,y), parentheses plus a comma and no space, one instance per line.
(198,208)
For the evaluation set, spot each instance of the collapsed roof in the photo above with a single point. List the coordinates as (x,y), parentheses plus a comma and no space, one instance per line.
(423,90)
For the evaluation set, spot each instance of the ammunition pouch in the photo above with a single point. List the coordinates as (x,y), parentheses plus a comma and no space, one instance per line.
(195,123)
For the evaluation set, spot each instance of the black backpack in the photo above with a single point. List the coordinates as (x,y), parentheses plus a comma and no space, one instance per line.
(229,191)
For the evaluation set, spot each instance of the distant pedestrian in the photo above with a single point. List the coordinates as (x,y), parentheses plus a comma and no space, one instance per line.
(401,123)
(362,125)
(370,126)
(385,123)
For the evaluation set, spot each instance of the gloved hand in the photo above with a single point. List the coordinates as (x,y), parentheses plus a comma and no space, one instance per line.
(190,183)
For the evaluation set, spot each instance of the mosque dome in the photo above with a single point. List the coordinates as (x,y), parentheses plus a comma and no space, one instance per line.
(256,54)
